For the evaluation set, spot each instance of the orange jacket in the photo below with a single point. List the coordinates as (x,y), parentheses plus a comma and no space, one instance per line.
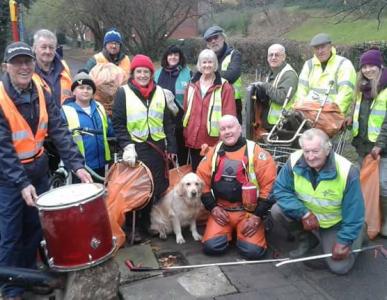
(124,63)
(264,165)
(65,82)
(27,146)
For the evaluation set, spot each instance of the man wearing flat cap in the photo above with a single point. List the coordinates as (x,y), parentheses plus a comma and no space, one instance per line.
(28,114)
(327,72)
(229,60)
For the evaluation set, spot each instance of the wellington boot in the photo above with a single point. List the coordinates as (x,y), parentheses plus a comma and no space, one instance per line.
(307,241)
(383,229)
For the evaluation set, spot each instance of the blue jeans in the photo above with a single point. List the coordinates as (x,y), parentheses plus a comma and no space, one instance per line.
(20,232)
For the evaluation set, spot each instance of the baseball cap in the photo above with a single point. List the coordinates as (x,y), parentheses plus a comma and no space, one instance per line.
(17,49)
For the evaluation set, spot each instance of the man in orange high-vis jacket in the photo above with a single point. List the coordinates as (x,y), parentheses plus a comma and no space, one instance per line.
(28,115)
(233,163)
(112,52)
(50,67)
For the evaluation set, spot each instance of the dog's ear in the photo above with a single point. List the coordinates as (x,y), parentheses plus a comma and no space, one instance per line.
(181,188)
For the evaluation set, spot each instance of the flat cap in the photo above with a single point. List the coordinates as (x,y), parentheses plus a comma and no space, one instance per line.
(17,49)
(212,31)
(320,39)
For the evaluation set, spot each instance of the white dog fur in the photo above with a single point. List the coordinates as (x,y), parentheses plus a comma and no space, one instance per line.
(178,208)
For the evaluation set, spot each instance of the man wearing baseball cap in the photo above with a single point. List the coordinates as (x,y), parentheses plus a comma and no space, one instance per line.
(28,114)
(325,73)
(112,52)
(229,60)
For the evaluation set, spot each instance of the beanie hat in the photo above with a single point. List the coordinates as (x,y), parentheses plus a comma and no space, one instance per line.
(112,36)
(371,57)
(83,78)
(141,60)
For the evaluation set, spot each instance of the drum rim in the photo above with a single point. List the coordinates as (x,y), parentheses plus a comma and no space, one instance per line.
(72,204)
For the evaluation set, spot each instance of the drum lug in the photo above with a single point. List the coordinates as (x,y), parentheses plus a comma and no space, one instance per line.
(50,260)
(90,258)
(81,208)
(95,243)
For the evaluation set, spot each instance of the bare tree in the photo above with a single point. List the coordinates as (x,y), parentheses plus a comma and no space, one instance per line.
(145,24)
(359,9)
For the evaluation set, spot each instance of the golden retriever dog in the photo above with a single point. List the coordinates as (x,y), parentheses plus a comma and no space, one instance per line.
(178,208)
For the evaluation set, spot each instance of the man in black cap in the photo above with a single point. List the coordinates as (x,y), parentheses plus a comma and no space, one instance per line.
(325,73)
(230,61)
(28,114)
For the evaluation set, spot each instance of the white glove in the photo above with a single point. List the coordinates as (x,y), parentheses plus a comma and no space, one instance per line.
(169,98)
(130,155)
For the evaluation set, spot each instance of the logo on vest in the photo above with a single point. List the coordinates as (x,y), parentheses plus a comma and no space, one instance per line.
(262,156)
(329,193)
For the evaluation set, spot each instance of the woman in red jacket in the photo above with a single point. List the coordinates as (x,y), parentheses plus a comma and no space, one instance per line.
(207,98)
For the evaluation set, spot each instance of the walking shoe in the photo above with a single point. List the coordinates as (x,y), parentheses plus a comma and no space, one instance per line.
(307,241)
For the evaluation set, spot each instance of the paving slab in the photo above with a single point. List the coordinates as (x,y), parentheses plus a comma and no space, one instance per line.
(206,282)
(139,254)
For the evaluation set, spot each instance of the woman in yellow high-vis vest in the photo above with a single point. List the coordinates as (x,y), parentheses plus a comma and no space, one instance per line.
(144,129)
(370,118)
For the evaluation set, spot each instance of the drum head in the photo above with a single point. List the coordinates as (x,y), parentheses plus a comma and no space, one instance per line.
(69,195)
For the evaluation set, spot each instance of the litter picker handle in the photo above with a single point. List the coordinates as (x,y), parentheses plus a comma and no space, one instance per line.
(331,83)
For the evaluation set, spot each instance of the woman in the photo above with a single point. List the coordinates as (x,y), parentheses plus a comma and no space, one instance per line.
(370,118)
(174,75)
(207,98)
(143,125)
(82,111)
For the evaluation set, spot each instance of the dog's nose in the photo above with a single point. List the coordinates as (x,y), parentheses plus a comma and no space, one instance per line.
(193,193)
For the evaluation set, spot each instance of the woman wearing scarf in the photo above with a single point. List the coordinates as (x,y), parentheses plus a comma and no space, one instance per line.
(144,128)
(370,118)
(174,75)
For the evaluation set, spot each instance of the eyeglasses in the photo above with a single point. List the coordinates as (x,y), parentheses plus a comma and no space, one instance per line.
(275,54)
(20,62)
(212,38)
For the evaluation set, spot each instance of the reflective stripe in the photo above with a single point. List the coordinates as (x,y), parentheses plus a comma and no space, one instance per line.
(303,82)
(347,83)
(323,91)
(190,95)
(318,201)
(324,218)
(155,114)
(136,116)
(19,135)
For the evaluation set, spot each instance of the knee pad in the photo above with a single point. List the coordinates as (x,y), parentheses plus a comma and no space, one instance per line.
(250,251)
(216,245)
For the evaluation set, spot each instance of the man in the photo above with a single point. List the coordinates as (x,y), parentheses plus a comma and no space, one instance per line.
(272,93)
(50,67)
(112,52)
(318,193)
(28,114)
(229,62)
(226,169)
(327,72)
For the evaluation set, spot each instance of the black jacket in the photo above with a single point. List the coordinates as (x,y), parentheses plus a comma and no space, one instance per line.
(12,171)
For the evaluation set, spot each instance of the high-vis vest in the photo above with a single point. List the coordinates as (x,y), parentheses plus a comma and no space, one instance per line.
(73,122)
(250,157)
(275,109)
(65,83)
(377,115)
(238,83)
(325,202)
(214,113)
(314,83)
(142,121)
(181,84)
(124,63)
(27,146)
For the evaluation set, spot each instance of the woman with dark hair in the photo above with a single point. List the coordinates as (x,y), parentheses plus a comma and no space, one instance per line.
(174,75)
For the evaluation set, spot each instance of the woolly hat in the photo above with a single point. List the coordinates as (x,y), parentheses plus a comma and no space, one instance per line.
(83,78)
(112,36)
(141,60)
(371,57)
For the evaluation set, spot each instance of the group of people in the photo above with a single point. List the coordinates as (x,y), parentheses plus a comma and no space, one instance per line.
(175,114)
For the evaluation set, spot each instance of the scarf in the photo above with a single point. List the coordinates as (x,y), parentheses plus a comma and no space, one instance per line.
(145,91)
